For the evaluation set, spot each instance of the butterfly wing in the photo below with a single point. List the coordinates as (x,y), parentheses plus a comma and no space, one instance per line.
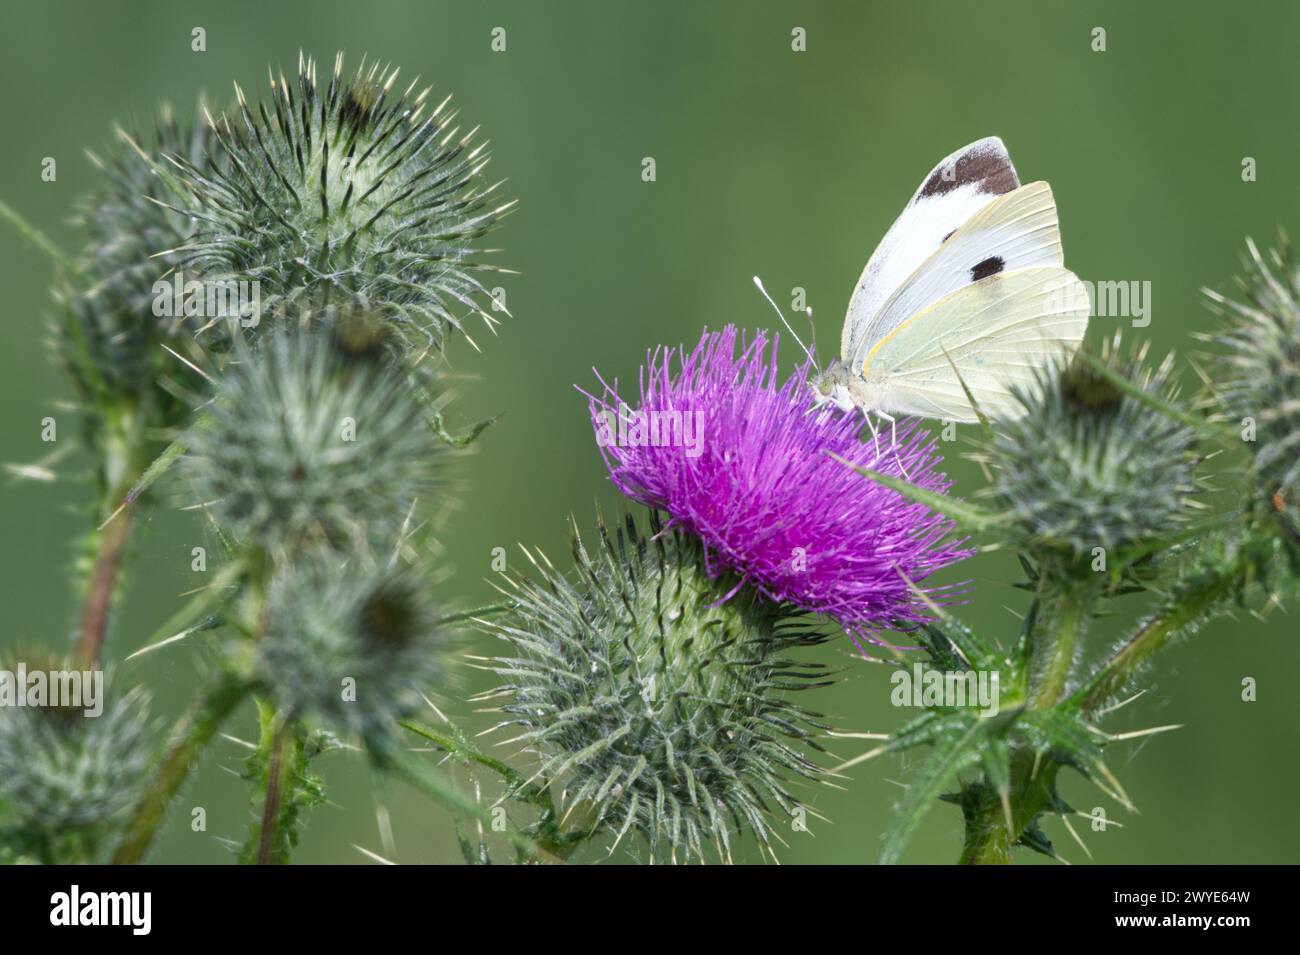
(956,189)
(993,332)
(1018,230)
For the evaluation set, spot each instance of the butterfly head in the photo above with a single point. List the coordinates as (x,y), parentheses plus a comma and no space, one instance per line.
(833,386)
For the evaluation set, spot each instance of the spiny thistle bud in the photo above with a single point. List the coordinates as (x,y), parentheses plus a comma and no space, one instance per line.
(105,334)
(305,445)
(1088,466)
(1257,379)
(347,193)
(60,767)
(660,708)
(350,645)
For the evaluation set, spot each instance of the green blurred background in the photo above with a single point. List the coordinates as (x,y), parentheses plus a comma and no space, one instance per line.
(788,165)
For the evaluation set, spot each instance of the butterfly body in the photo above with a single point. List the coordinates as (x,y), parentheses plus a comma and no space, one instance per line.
(967,292)
(839,386)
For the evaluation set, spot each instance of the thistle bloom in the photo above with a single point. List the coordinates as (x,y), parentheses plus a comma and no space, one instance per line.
(744,461)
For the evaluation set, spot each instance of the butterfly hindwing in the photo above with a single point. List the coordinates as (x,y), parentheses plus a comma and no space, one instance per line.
(954,191)
(994,333)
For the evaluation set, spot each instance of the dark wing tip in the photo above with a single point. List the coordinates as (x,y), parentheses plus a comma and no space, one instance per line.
(984,163)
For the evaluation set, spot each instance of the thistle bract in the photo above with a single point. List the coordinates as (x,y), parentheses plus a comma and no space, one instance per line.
(353,646)
(354,192)
(1087,465)
(661,711)
(305,445)
(746,462)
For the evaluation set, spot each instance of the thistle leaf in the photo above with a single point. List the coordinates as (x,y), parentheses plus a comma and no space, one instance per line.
(953,751)
(969,517)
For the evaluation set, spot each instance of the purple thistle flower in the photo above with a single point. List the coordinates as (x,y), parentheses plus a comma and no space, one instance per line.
(743,461)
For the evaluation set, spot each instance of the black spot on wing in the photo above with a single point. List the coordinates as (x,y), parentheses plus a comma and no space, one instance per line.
(990,266)
(988,168)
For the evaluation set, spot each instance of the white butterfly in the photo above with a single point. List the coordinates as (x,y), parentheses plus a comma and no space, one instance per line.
(970,282)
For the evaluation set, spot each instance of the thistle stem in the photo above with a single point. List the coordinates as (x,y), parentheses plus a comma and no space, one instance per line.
(433,784)
(991,847)
(550,839)
(123,463)
(269,851)
(1059,626)
(1156,632)
(110,547)
(1061,617)
(989,837)
(193,733)
(1060,620)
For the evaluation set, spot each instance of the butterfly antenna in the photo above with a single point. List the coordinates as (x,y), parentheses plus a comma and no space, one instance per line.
(758,283)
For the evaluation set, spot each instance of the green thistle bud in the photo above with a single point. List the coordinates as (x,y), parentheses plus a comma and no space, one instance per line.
(354,647)
(350,193)
(305,445)
(105,334)
(1088,466)
(61,768)
(661,708)
(1257,379)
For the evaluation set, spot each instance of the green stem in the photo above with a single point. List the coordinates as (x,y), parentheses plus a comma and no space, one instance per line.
(277,735)
(124,462)
(547,829)
(992,849)
(544,841)
(110,547)
(989,839)
(1189,605)
(1059,624)
(1060,620)
(193,733)
(433,784)
(1062,614)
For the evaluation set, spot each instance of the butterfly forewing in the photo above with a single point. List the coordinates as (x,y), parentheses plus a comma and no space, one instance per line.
(1018,230)
(954,191)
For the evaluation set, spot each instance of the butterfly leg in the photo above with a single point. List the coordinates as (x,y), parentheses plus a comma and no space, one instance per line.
(875,435)
(893,441)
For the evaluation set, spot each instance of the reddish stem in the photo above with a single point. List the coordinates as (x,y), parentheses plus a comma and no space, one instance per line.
(99,595)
